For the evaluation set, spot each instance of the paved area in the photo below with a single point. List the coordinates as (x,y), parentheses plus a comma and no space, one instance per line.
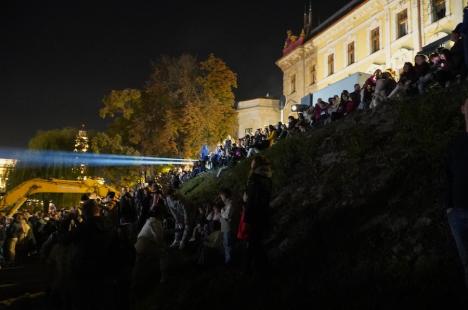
(22,285)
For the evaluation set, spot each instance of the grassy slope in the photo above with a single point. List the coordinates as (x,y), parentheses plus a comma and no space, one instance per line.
(358,211)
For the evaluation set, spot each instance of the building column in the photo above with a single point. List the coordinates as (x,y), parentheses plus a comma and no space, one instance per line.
(388,39)
(303,70)
(456,8)
(416,20)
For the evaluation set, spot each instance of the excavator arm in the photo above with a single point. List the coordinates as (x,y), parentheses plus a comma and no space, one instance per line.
(16,197)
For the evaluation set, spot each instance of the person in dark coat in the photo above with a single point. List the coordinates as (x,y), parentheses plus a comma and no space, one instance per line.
(356,96)
(422,71)
(96,263)
(144,201)
(464,33)
(257,214)
(457,198)
(457,57)
(3,229)
(127,214)
(407,79)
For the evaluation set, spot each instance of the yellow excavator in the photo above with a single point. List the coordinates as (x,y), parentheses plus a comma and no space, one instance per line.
(16,197)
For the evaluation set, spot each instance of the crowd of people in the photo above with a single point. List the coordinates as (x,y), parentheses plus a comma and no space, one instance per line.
(110,252)
(440,69)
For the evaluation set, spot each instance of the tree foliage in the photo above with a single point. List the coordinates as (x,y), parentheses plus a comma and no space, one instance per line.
(53,140)
(104,143)
(185,103)
(46,140)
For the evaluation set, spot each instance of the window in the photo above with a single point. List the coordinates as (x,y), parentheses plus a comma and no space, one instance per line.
(375,40)
(331,64)
(438,9)
(350,53)
(402,24)
(313,75)
(293,83)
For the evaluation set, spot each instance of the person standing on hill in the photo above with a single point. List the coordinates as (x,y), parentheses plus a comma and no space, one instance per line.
(179,213)
(257,213)
(226,224)
(13,234)
(457,199)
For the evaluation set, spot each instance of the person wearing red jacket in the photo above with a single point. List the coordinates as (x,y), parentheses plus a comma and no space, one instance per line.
(369,88)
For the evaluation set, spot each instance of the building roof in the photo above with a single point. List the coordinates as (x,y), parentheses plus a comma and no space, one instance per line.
(336,17)
(348,8)
(257,102)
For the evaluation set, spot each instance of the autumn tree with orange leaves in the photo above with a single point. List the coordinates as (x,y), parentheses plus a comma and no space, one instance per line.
(185,103)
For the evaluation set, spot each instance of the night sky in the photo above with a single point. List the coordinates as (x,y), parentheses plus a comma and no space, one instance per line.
(58,59)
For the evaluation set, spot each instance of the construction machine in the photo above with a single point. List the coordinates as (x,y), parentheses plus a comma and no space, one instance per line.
(17,196)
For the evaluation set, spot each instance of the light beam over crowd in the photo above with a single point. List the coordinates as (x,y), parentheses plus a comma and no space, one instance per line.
(41,158)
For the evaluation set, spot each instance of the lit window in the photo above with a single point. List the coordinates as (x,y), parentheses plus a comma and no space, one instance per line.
(313,75)
(293,83)
(402,23)
(375,40)
(351,53)
(331,64)
(438,9)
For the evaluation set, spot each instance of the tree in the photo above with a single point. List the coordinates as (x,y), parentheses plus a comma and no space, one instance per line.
(46,140)
(218,82)
(185,104)
(53,140)
(103,143)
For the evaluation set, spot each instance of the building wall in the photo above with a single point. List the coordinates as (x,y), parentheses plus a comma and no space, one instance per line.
(356,27)
(257,113)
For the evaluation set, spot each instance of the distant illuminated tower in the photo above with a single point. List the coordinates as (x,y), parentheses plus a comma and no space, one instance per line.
(6,166)
(81,146)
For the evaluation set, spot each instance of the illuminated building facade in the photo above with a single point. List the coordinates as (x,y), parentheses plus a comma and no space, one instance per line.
(81,146)
(6,165)
(363,36)
(257,113)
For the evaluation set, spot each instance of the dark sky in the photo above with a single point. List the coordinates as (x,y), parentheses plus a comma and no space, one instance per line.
(58,59)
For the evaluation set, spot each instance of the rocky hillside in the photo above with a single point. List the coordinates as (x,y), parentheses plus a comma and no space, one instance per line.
(359,221)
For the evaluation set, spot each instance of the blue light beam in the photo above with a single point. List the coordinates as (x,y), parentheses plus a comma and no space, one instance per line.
(39,158)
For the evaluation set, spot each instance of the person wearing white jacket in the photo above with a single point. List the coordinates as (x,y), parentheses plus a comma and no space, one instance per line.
(151,254)
(226,224)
